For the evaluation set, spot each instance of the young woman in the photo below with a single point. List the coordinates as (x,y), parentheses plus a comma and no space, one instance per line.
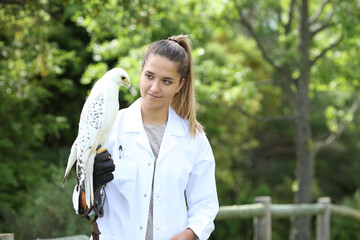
(164,179)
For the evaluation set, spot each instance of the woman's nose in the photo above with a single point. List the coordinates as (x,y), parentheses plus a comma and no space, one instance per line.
(155,86)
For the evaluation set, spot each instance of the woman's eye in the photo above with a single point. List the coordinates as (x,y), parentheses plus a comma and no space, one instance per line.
(167,82)
(148,76)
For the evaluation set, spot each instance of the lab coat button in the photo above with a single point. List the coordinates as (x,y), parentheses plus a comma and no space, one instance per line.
(157,228)
(149,164)
(145,195)
(157,195)
(141,227)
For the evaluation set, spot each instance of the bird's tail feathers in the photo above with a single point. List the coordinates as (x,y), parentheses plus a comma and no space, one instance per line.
(71,161)
(83,209)
(89,184)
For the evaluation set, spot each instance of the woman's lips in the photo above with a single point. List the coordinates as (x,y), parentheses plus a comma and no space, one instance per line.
(153,96)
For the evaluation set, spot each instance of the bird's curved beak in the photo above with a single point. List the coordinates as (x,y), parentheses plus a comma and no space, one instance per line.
(125,82)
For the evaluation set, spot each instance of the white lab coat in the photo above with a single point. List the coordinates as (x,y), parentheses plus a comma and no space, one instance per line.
(184,165)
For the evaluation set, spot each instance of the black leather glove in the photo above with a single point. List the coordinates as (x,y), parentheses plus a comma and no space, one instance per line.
(103,169)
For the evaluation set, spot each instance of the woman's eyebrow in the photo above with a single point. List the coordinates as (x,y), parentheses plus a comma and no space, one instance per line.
(149,72)
(168,78)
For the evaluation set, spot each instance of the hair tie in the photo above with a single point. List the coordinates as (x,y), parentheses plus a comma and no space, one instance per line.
(171,39)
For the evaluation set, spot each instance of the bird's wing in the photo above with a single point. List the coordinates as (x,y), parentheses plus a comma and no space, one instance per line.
(91,122)
(71,160)
(91,119)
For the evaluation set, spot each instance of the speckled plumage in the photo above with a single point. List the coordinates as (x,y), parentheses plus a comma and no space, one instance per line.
(96,121)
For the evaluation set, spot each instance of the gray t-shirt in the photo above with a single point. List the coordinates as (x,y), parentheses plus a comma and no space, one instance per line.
(155,134)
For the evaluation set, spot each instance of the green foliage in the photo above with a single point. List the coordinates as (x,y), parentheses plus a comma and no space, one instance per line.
(47,212)
(344,228)
(52,52)
(33,78)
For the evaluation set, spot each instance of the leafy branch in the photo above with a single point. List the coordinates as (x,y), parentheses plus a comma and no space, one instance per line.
(325,50)
(325,24)
(245,113)
(318,12)
(341,127)
(20,2)
(291,13)
(250,29)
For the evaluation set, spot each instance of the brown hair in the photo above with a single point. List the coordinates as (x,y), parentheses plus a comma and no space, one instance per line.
(178,49)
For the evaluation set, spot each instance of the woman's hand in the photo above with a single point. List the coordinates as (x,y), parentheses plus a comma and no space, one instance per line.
(187,234)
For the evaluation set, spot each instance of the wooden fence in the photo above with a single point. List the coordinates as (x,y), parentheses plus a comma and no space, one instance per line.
(262,211)
(6,236)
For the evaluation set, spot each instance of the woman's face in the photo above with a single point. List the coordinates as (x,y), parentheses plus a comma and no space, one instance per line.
(159,82)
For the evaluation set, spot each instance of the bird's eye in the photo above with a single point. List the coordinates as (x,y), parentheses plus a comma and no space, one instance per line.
(123,78)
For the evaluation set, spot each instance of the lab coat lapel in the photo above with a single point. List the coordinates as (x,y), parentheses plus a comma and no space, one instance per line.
(174,129)
(133,123)
(143,141)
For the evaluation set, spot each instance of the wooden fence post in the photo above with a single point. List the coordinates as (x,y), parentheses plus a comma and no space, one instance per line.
(262,225)
(6,236)
(323,220)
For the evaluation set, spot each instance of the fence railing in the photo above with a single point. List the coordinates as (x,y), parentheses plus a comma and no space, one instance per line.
(262,211)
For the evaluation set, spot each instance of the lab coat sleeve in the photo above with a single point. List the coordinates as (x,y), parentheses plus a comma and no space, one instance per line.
(201,192)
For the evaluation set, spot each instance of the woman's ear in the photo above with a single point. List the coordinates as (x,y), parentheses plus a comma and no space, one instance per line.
(180,85)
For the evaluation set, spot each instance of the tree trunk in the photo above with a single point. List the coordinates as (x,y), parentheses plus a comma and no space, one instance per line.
(300,229)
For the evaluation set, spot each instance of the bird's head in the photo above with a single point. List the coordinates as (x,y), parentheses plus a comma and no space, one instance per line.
(124,79)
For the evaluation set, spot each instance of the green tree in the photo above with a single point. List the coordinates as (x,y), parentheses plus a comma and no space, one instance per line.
(38,67)
(246,67)
(292,37)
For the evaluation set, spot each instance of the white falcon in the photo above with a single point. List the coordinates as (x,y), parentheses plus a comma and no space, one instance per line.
(96,121)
